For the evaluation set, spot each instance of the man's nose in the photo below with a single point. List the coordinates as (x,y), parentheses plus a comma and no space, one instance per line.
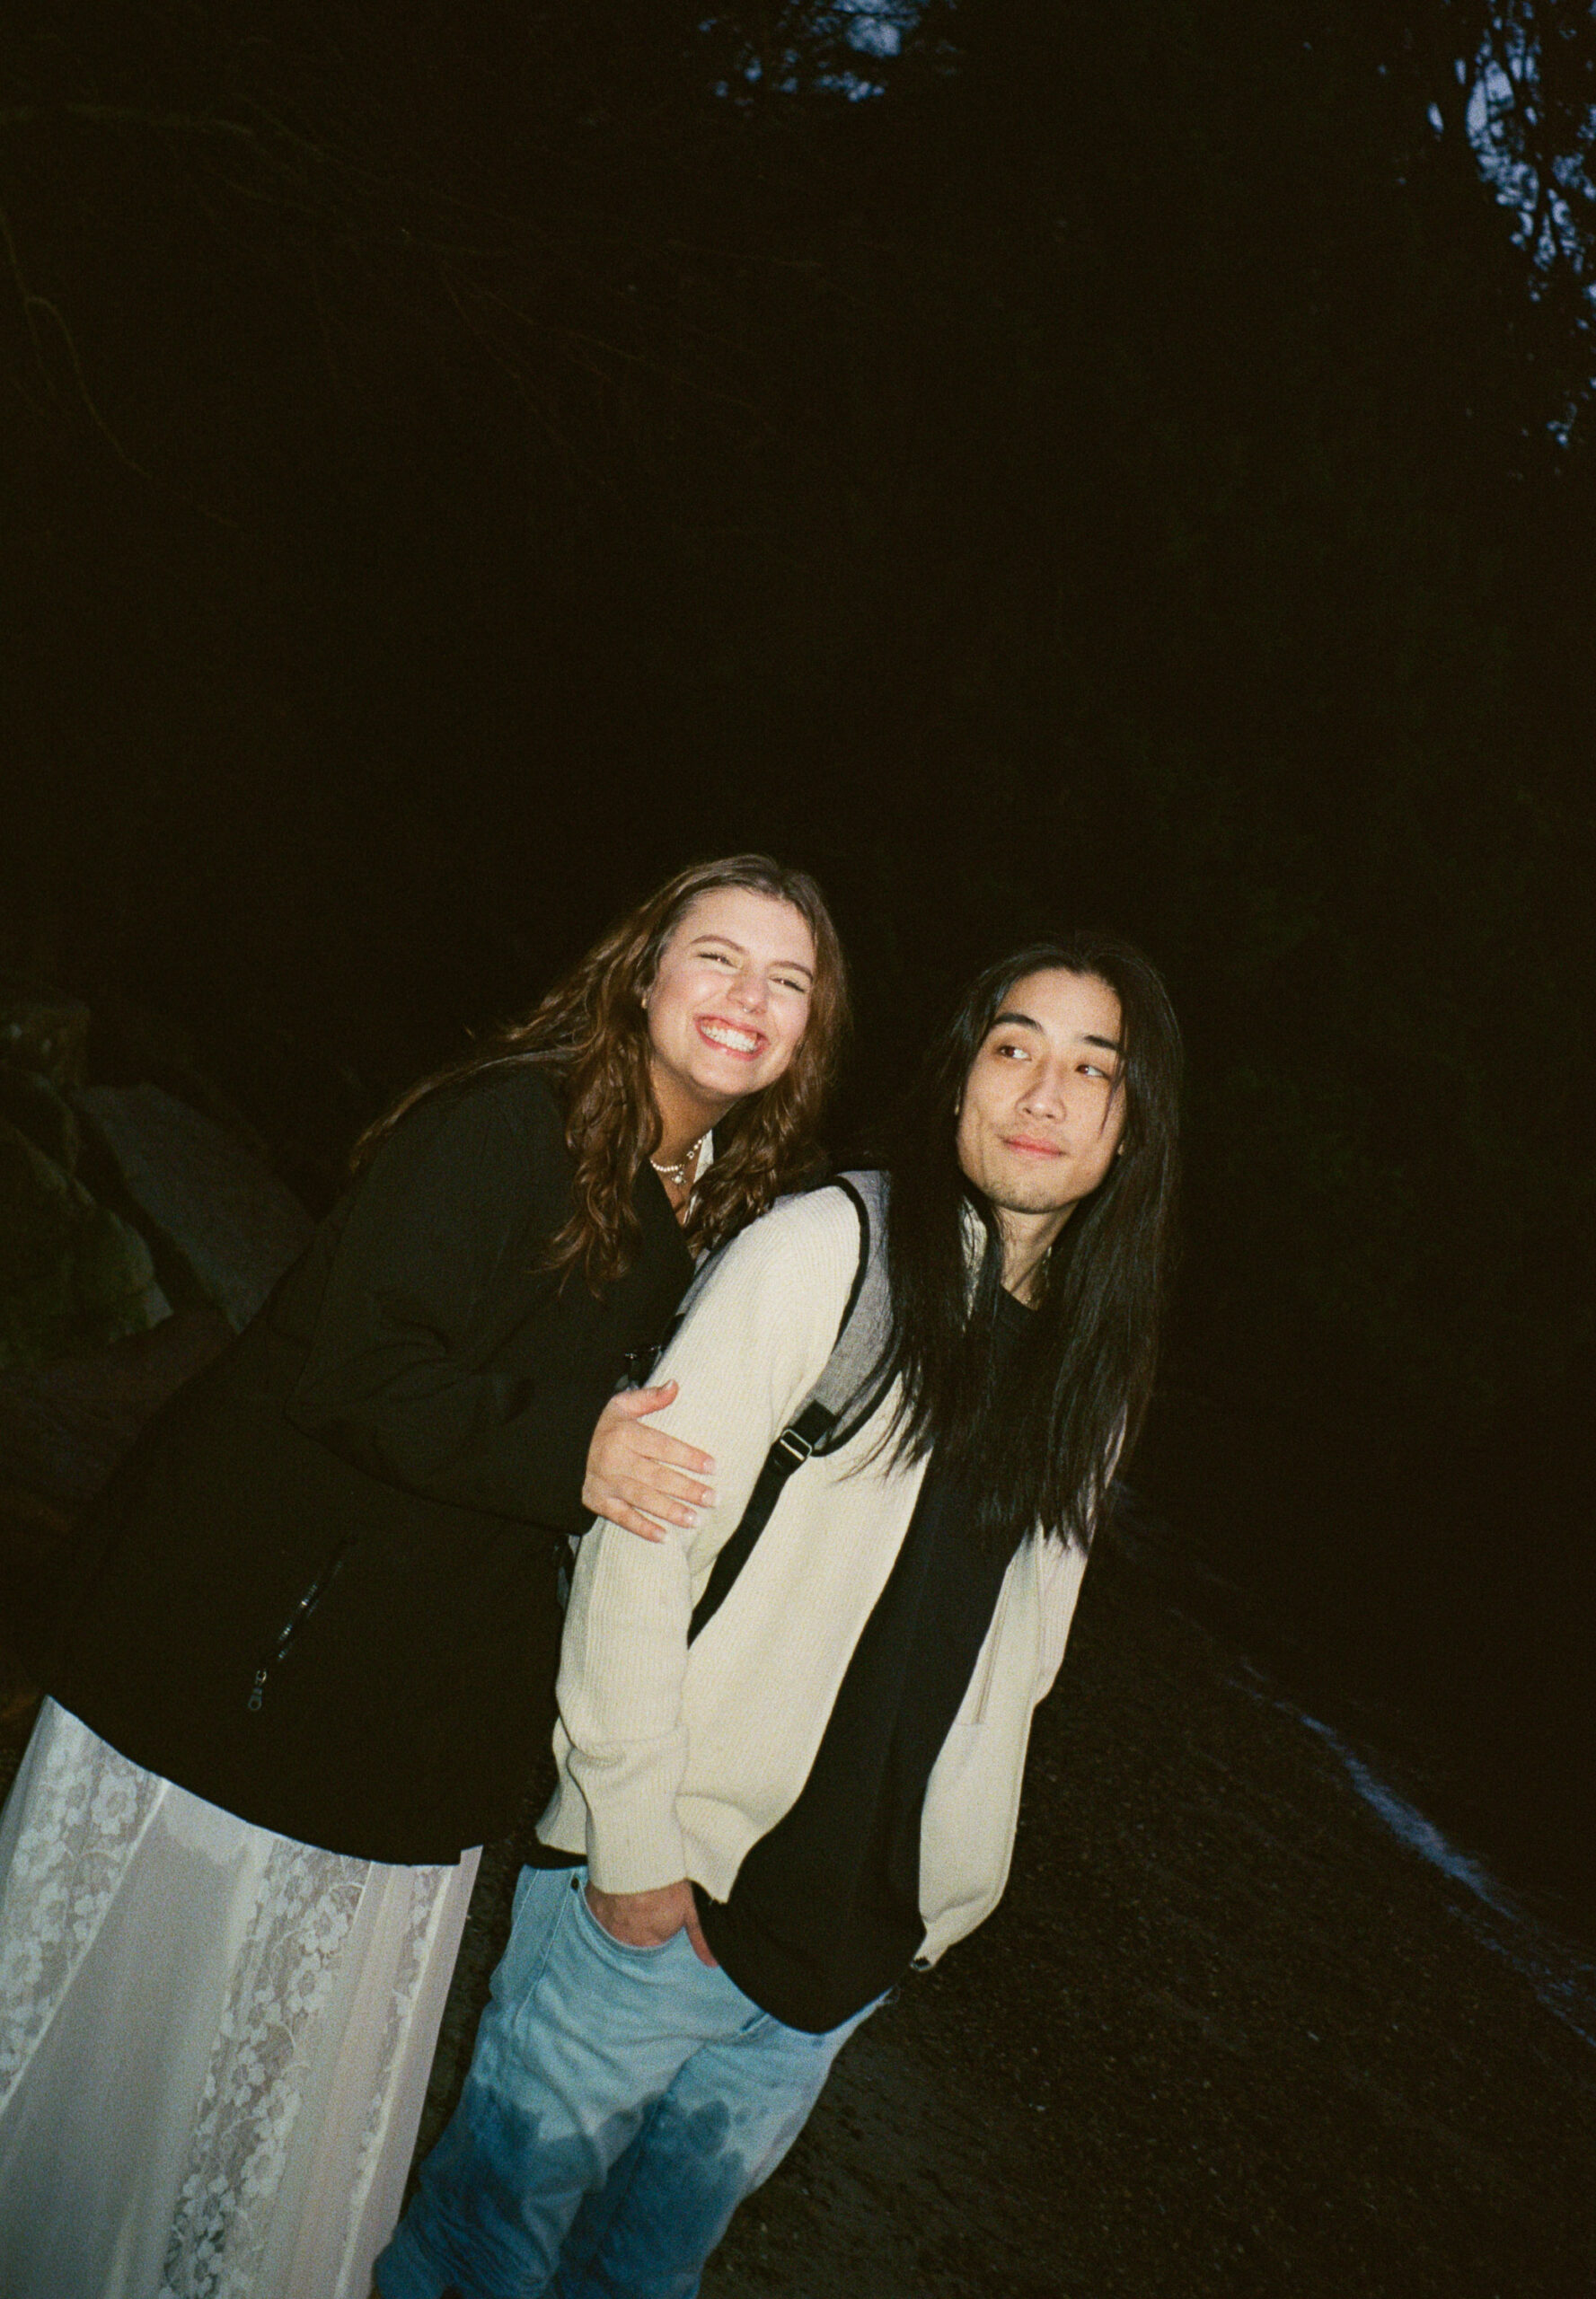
(1044,1092)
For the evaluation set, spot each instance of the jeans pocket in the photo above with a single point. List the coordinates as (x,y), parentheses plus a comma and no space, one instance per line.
(535,1922)
(622,1950)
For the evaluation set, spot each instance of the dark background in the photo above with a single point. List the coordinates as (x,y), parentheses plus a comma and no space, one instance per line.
(1122,464)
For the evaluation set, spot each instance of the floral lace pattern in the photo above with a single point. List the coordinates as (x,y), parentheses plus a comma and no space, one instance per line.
(319,1976)
(87,1810)
(283,1978)
(425,1912)
(308,1905)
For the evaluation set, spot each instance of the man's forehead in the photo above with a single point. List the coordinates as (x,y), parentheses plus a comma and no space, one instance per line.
(1054,1002)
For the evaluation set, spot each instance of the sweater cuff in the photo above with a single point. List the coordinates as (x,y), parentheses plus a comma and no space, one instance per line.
(627,1857)
(633,1837)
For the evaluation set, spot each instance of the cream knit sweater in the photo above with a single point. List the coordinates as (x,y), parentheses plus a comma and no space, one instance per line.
(674,1760)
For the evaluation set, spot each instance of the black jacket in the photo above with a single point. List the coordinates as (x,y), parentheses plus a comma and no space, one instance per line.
(403,1427)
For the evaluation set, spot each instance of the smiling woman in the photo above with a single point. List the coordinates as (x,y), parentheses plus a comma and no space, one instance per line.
(727,1009)
(598,1035)
(304,1665)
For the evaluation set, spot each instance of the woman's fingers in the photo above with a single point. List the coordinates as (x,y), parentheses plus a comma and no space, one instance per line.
(664,1448)
(631,1521)
(645,1478)
(674,1502)
(641,1507)
(624,1453)
(650,1453)
(633,1405)
(637,1476)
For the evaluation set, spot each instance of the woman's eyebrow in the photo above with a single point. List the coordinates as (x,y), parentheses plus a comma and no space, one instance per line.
(1011,1021)
(794,965)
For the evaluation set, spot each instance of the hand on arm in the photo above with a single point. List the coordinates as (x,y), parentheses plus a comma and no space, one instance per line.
(746,1357)
(638,1477)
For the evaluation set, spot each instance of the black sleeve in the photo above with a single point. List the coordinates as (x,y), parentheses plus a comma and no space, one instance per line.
(437,1266)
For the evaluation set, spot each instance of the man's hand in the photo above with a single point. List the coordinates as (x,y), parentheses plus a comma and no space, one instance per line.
(649,1919)
(635,1474)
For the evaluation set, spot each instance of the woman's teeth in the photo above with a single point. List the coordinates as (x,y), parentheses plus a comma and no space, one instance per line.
(723,1034)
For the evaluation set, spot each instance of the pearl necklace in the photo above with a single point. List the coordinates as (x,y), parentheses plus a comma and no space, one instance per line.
(677,1174)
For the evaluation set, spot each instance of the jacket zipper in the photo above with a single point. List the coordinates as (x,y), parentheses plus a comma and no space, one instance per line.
(289,1631)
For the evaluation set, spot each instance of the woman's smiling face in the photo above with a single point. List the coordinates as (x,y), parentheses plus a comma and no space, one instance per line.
(728,1004)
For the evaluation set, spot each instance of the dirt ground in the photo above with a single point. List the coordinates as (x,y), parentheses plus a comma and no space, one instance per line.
(1227,2035)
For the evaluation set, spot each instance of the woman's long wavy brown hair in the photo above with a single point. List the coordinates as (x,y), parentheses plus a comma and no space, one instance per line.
(591,1035)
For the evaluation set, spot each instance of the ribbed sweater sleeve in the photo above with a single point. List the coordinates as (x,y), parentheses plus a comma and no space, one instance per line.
(748,1355)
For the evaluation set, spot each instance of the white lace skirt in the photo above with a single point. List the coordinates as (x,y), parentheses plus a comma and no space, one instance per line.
(215,2042)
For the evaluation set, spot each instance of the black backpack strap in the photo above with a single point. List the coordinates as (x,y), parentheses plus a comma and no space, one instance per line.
(812,1428)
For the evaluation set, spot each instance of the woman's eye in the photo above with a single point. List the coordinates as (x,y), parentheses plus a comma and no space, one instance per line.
(782,982)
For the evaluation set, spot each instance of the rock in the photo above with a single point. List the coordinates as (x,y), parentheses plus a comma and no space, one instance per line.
(73,1275)
(64,1426)
(220,1210)
(34,1547)
(50,1034)
(112,1267)
(36,1108)
(63,1429)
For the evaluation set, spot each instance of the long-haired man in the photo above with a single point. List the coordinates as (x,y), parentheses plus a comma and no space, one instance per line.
(765,1825)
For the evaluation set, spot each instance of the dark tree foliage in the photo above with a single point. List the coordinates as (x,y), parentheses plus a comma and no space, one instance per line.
(1032,461)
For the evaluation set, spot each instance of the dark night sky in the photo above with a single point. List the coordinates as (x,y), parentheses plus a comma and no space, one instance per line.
(1118,473)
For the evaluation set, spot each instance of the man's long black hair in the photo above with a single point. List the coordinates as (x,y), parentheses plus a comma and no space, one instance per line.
(1035,1436)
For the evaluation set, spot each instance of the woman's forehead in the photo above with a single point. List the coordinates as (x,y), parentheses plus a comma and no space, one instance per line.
(759,921)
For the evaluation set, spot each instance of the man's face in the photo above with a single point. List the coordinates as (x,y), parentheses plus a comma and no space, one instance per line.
(1042,1113)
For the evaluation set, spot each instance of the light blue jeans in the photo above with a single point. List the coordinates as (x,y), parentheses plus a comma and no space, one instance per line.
(621,2102)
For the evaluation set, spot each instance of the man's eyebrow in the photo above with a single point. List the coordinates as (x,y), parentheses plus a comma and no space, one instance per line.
(798,966)
(1014,1020)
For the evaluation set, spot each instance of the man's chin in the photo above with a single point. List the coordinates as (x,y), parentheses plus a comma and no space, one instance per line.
(1033,1198)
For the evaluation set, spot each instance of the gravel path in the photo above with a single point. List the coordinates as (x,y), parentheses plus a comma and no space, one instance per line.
(1226,2035)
